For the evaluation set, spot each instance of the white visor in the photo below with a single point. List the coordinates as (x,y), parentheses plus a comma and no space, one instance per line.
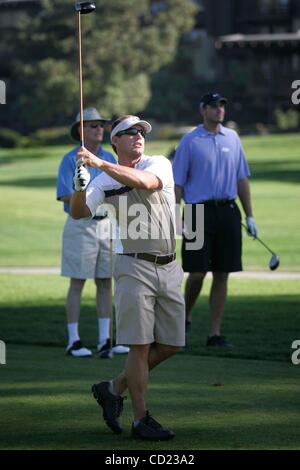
(128,123)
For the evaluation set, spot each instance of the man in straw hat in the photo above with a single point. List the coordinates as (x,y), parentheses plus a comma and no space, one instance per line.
(85,254)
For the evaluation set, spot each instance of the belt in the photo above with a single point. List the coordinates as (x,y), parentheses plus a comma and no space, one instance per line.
(217,202)
(99,217)
(157,259)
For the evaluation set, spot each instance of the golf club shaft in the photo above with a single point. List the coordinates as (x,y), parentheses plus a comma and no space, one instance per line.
(260,241)
(111,277)
(80,81)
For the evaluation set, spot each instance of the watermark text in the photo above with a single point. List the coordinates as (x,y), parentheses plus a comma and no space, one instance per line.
(296,354)
(296,94)
(2,92)
(156,222)
(2,353)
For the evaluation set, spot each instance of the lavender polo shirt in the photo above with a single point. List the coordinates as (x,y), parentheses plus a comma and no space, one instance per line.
(209,166)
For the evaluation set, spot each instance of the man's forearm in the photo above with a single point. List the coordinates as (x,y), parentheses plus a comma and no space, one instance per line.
(78,207)
(131,177)
(121,173)
(245,196)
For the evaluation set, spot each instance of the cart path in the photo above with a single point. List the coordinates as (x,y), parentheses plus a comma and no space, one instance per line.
(272,275)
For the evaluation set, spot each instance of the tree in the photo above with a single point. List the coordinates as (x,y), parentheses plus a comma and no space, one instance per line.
(124,43)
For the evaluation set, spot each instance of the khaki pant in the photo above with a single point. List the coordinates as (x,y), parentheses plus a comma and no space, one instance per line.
(149,302)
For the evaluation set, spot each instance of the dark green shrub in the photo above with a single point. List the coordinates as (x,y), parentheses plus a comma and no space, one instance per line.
(52,136)
(10,138)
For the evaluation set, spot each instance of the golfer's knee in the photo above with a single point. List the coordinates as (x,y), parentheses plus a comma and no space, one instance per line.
(103,283)
(140,350)
(76,285)
(168,351)
(175,350)
(220,277)
(197,277)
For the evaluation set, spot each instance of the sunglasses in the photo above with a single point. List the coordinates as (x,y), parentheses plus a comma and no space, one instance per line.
(132,131)
(93,126)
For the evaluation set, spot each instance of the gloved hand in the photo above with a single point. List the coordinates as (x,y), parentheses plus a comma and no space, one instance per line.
(81,178)
(251,227)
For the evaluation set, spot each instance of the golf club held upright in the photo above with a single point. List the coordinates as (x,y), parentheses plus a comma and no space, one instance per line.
(82,8)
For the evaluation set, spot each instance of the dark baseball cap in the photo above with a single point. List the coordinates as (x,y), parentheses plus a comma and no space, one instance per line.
(212,97)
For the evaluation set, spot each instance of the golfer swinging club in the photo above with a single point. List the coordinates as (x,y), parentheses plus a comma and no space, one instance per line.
(149,303)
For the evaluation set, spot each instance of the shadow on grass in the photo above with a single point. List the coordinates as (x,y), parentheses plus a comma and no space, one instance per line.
(256,408)
(42,325)
(257,327)
(286,171)
(261,327)
(18,155)
(230,436)
(41,182)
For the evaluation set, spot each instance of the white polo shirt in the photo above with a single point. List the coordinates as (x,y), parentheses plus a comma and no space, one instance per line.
(145,218)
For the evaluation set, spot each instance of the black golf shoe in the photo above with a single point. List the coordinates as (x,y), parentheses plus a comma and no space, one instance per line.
(218,342)
(150,430)
(111,404)
(77,349)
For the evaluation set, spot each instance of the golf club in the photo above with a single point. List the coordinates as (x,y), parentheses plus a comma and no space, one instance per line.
(109,353)
(274,261)
(82,8)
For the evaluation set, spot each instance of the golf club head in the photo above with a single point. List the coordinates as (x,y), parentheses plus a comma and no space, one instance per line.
(85,7)
(107,354)
(274,262)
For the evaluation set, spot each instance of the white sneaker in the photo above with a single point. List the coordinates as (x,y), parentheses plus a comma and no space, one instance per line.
(78,350)
(119,349)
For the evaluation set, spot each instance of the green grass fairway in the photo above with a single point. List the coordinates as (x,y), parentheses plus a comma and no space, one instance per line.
(32,220)
(245,398)
(210,403)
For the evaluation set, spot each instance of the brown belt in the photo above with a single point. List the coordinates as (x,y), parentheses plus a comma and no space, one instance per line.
(157,259)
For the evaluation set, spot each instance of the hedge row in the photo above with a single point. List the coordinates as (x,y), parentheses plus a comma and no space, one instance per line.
(10,138)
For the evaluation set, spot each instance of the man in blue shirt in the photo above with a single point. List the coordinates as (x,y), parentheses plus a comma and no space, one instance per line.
(85,254)
(210,168)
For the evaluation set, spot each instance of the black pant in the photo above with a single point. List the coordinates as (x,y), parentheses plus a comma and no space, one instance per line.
(222,250)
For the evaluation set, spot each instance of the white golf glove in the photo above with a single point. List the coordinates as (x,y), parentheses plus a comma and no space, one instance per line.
(251,227)
(81,178)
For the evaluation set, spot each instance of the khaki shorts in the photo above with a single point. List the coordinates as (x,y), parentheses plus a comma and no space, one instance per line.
(85,254)
(149,302)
